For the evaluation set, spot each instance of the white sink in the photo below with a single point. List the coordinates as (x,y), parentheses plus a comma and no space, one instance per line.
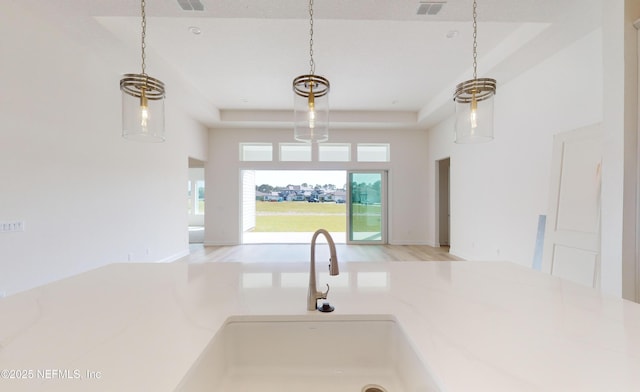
(309,353)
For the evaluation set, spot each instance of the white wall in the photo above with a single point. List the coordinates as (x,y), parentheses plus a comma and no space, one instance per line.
(498,189)
(407,188)
(88,197)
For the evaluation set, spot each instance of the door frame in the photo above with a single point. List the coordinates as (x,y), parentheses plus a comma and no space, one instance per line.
(384,175)
(636,24)
(193,219)
(438,201)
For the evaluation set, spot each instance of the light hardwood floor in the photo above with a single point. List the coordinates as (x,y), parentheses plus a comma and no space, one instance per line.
(255,253)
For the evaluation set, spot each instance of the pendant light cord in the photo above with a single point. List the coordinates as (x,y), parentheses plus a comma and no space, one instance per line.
(144,34)
(312,64)
(475,40)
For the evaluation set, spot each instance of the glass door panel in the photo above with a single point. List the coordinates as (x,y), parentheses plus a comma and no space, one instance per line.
(367,206)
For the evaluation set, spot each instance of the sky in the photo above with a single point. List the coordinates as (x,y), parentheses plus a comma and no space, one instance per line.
(297,177)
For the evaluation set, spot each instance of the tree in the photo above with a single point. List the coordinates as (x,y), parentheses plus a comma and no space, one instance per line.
(266,188)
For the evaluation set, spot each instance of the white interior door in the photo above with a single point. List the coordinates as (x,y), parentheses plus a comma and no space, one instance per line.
(572,239)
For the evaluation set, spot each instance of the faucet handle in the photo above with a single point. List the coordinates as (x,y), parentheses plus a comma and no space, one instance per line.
(324,295)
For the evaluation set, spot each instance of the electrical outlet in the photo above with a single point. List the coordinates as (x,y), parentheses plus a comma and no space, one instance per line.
(11,226)
(3,294)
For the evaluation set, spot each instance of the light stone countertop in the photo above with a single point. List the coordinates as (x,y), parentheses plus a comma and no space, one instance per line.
(479,326)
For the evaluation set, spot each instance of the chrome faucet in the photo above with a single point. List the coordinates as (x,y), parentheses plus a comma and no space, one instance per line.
(314,295)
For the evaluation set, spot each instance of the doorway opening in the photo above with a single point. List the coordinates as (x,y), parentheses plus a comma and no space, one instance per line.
(196,201)
(443,207)
(287,206)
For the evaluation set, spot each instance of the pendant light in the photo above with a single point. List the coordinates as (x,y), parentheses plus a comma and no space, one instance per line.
(311,100)
(142,101)
(474,101)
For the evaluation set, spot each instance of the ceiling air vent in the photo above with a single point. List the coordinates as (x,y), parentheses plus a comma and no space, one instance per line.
(191,5)
(429,7)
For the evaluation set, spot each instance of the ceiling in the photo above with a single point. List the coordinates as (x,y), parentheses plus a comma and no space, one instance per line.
(388,66)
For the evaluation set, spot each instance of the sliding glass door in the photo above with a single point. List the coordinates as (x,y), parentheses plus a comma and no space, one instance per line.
(367,207)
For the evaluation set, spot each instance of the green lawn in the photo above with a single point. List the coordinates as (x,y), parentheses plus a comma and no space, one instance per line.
(300,223)
(299,216)
(301,207)
(366,218)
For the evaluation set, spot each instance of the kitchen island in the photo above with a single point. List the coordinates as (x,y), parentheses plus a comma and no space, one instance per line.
(477,326)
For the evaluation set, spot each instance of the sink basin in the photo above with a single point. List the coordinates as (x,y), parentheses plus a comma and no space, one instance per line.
(309,353)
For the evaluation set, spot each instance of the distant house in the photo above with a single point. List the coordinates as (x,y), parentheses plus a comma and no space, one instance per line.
(260,195)
(326,197)
(340,195)
(268,196)
(300,193)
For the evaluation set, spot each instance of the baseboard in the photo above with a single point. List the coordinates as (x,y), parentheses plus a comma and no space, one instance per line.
(454,252)
(418,243)
(208,243)
(174,257)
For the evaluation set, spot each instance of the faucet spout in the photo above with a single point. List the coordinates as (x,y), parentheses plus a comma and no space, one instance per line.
(313,294)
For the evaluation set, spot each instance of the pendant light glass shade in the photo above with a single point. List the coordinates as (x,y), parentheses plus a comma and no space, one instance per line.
(311,108)
(311,100)
(142,108)
(142,100)
(474,110)
(474,101)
